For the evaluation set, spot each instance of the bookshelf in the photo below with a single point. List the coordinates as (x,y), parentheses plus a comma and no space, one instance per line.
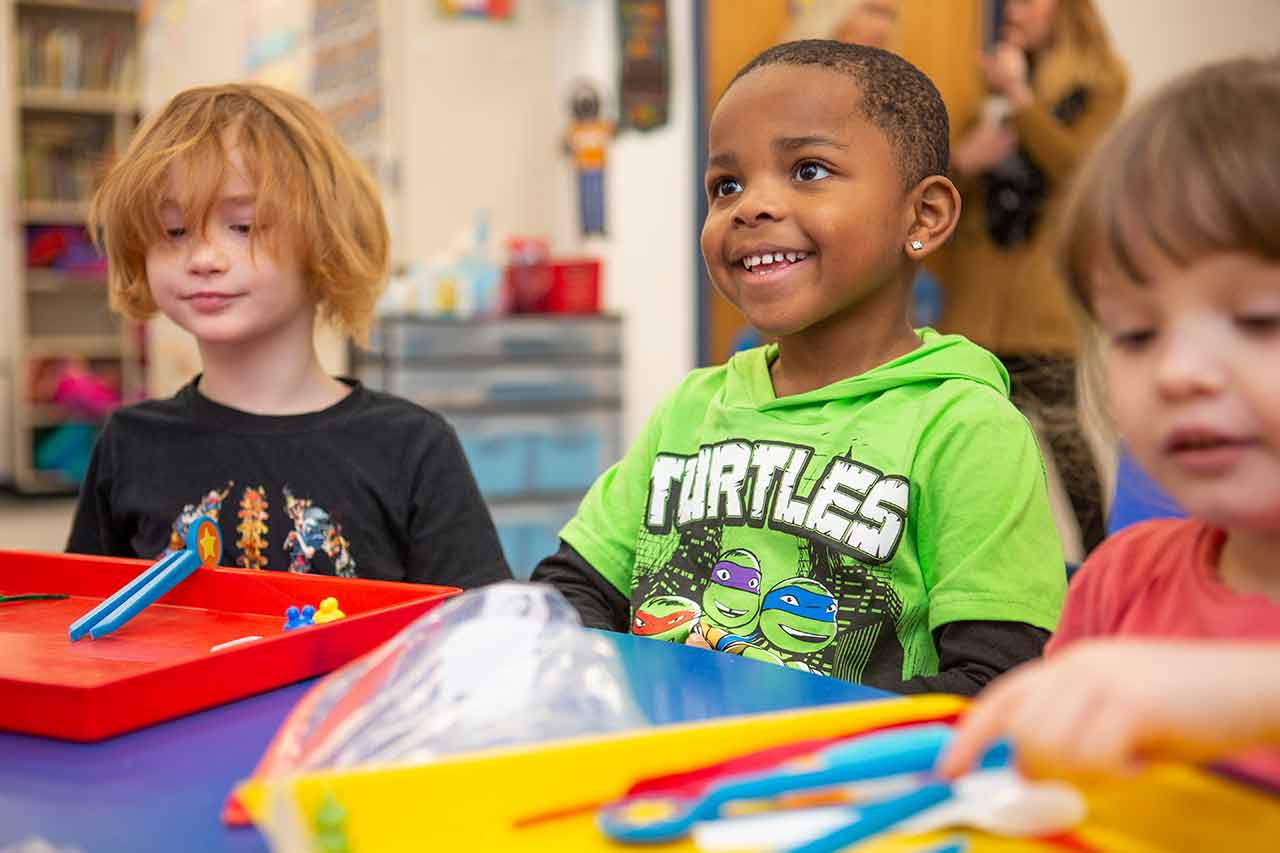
(71,99)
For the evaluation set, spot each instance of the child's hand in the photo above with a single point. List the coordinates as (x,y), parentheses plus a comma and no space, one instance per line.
(1103,706)
(696,639)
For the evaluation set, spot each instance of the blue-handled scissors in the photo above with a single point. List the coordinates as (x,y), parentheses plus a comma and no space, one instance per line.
(204,548)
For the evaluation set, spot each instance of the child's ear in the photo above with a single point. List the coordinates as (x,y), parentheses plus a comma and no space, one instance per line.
(935,205)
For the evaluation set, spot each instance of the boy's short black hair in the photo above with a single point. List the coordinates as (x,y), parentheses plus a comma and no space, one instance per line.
(897,98)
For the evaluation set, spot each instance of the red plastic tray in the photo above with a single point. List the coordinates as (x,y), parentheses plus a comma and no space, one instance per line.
(159,665)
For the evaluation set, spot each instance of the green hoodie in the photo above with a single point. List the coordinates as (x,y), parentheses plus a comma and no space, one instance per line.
(833,530)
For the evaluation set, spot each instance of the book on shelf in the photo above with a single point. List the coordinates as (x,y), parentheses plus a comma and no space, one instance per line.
(63,158)
(88,57)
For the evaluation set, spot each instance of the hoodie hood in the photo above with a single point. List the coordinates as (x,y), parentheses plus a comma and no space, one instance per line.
(938,358)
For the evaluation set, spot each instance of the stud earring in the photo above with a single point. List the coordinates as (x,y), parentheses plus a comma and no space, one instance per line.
(917,245)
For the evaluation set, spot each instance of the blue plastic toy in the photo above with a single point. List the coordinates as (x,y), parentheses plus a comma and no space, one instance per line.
(294,619)
(204,547)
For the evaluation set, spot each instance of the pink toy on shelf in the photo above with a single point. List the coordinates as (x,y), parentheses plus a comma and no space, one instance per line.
(83,393)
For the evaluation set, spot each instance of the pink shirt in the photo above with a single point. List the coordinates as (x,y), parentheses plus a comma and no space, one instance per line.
(1160,579)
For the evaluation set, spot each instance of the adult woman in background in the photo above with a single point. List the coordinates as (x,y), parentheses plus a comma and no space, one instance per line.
(1056,85)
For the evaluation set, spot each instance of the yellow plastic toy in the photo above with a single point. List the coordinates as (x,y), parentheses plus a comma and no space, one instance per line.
(328,612)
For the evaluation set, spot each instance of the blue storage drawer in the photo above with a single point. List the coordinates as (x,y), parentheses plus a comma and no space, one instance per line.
(499,460)
(529,532)
(519,337)
(445,385)
(512,539)
(568,461)
(571,452)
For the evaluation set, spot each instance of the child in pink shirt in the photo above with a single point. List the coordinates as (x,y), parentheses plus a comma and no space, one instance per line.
(1172,251)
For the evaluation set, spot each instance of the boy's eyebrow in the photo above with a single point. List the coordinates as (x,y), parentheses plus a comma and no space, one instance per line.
(724,160)
(791,143)
(727,159)
(242,200)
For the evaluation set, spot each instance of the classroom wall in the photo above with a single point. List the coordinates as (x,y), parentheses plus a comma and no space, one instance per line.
(652,181)
(482,124)
(487,106)
(1160,38)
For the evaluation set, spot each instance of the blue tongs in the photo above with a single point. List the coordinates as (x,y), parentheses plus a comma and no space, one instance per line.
(909,750)
(204,548)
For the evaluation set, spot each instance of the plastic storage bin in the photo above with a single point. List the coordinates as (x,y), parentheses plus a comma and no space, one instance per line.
(509,384)
(531,454)
(571,452)
(499,458)
(560,286)
(509,337)
(529,532)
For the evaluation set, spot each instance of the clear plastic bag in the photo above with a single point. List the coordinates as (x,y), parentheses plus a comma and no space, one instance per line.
(502,665)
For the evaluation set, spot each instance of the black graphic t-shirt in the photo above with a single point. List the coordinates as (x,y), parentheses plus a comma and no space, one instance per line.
(373,487)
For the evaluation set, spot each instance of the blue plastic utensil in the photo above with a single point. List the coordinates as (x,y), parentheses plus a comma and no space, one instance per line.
(996,801)
(162,576)
(892,753)
(877,817)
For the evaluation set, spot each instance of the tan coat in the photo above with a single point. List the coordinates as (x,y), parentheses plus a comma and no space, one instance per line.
(1012,301)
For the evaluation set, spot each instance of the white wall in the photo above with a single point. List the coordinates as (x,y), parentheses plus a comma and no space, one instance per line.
(481,124)
(1160,38)
(651,185)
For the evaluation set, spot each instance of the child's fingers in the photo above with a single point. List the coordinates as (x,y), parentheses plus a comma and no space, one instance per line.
(1108,744)
(985,721)
(1046,732)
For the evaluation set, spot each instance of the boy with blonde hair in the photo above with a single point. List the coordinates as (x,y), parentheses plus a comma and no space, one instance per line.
(238,214)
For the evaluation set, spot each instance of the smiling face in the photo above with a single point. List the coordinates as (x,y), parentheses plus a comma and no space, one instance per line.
(807,215)
(1190,361)
(208,278)
(798,616)
(732,596)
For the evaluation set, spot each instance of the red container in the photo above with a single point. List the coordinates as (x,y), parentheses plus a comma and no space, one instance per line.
(160,665)
(561,286)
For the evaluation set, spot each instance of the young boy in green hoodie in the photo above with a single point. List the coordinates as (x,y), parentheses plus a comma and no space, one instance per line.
(859,499)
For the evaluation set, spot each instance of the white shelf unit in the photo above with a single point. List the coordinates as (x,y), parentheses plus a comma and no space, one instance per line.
(71,101)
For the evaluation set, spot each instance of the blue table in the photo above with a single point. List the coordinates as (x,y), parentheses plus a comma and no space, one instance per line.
(163,787)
